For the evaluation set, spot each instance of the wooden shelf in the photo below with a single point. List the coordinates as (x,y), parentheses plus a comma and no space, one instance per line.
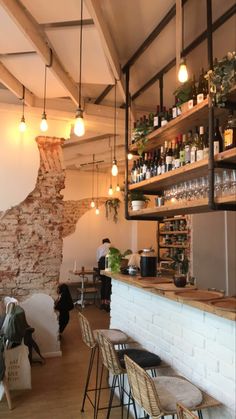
(180,246)
(173,232)
(188,172)
(177,217)
(183,207)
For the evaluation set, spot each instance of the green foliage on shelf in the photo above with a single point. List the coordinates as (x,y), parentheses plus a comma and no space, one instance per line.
(140,137)
(183,93)
(222,78)
(137,196)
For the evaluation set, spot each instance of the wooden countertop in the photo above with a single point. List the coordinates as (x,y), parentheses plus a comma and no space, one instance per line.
(146,285)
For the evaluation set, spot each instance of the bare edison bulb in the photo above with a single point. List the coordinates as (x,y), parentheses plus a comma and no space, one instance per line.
(79,128)
(183,72)
(110,190)
(22,125)
(130,156)
(97,211)
(114,169)
(44,123)
(92,205)
(117,188)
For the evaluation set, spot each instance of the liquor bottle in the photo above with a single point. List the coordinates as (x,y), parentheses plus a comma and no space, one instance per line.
(194,91)
(144,167)
(134,173)
(164,117)
(200,144)
(202,89)
(188,147)
(174,109)
(182,151)
(163,159)
(148,169)
(176,157)
(169,158)
(156,121)
(160,160)
(230,132)
(193,150)
(217,139)
(151,120)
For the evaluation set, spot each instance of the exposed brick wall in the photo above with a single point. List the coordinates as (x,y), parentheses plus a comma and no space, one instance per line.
(31,232)
(73,210)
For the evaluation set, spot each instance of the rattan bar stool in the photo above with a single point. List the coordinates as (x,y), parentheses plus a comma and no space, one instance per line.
(184,413)
(113,361)
(89,337)
(158,396)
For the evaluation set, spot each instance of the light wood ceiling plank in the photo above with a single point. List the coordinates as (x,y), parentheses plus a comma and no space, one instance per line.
(33,33)
(14,85)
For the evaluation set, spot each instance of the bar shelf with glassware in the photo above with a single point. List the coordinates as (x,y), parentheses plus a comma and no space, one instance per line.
(188,177)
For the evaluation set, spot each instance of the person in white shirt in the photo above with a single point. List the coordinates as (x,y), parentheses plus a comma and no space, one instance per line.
(106,282)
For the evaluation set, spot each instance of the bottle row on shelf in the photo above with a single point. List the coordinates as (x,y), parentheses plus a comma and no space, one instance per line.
(172,226)
(172,254)
(195,93)
(184,149)
(179,239)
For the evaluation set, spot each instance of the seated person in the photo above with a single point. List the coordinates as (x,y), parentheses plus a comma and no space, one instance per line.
(63,304)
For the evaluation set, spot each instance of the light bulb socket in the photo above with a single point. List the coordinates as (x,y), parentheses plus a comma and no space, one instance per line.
(79,113)
(44,115)
(22,119)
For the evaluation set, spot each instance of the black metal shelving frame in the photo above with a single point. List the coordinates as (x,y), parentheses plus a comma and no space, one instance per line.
(212,164)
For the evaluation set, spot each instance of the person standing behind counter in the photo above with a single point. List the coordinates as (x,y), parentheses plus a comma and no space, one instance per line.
(102,251)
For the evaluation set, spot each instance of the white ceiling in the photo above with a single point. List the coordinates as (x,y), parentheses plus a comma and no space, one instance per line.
(129,22)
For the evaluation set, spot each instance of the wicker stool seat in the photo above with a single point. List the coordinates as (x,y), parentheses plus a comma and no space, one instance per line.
(172,390)
(116,336)
(145,359)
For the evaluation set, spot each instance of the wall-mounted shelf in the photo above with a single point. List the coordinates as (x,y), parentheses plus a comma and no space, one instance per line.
(179,246)
(173,232)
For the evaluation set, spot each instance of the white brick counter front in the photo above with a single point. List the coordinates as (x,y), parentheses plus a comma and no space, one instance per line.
(199,345)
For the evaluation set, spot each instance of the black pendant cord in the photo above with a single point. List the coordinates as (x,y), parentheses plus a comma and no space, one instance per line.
(182,29)
(45,89)
(115,122)
(23,103)
(80,50)
(111,166)
(93,180)
(97,184)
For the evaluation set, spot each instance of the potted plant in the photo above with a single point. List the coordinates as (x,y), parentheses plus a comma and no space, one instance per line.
(112,205)
(138,200)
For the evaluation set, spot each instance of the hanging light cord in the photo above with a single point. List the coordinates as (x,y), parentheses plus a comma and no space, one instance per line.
(182,19)
(93,179)
(111,164)
(115,123)
(45,89)
(23,102)
(97,185)
(80,51)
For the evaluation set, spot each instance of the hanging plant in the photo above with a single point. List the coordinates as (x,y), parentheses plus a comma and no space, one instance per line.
(112,205)
(139,136)
(222,78)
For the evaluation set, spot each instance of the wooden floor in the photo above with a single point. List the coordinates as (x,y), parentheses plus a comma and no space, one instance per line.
(57,386)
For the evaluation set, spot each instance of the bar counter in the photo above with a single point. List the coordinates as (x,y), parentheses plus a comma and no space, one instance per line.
(196,339)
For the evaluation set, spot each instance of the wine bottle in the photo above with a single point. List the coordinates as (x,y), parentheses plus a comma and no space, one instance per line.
(200,144)
(176,156)
(202,89)
(156,121)
(217,139)
(169,158)
(182,151)
(188,147)
(134,173)
(230,132)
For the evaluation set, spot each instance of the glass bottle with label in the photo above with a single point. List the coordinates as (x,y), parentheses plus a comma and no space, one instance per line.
(230,132)
(187,147)
(200,145)
(217,139)
(169,158)
(156,119)
(193,150)
(182,151)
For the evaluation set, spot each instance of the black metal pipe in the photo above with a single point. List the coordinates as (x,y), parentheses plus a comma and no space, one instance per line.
(103,94)
(161,91)
(211,169)
(127,105)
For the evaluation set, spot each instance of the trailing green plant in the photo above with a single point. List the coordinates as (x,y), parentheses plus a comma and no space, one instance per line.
(183,93)
(139,135)
(222,78)
(112,205)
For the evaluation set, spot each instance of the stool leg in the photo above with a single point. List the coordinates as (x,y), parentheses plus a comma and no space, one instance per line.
(6,390)
(99,391)
(93,350)
(115,377)
(96,384)
(200,414)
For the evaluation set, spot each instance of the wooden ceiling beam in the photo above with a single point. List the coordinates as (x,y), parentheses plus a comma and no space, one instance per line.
(95,11)
(15,86)
(33,32)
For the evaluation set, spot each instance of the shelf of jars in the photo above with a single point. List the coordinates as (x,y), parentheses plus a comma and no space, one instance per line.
(179,246)
(184,206)
(188,172)
(173,232)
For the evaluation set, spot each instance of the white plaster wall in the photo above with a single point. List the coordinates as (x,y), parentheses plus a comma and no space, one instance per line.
(40,314)
(199,345)
(19,156)
(91,229)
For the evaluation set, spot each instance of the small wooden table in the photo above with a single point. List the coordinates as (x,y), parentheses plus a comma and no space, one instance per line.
(83,275)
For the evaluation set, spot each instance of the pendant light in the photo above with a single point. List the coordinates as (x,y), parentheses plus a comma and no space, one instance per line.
(114,169)
(182,72)
(117,187)
(79,128)
(92,204)
(130,156)
(97,209)
(22,124)
(44,123)
(110,190)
